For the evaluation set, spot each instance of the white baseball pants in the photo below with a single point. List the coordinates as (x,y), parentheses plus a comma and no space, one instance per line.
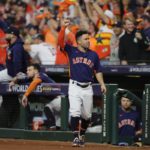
(81,100)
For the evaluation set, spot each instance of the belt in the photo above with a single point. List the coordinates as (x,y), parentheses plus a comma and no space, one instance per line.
(81,85)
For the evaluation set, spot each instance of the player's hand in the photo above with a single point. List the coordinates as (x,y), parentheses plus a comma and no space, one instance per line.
(24,101)
(11,84)
(103,88)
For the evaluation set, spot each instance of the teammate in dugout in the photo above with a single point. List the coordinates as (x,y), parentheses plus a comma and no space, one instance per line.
(35,77)
(84,64)
(129,121)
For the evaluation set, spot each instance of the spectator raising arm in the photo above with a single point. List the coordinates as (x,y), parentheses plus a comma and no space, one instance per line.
(83,19)
(92,17)
(61,38)
(101,13)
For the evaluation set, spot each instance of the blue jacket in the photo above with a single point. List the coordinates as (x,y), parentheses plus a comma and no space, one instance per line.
(16,58)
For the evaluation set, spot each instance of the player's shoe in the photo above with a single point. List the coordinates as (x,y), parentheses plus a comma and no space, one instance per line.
(82,141)
(76,142)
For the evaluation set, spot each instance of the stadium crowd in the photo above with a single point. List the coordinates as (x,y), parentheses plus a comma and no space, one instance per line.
(119,29)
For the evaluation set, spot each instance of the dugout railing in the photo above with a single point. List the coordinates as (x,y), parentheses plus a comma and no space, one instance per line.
(20,129)
(146,115)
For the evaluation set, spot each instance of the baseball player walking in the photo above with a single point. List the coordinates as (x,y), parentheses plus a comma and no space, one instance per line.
(84,63)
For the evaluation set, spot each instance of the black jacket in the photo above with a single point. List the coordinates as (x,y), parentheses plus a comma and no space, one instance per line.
(130,48)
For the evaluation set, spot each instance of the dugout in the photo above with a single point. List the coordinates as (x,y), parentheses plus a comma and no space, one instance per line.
(21,130)
(136,105)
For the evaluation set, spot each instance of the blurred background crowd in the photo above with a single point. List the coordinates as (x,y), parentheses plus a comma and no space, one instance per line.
(119,29)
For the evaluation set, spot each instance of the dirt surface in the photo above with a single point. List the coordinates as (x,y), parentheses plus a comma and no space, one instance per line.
(16,144)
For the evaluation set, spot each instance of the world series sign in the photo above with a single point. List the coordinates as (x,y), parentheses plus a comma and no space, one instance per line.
(42,89)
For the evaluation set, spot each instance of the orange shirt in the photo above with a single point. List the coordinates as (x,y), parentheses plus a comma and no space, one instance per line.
(102,47)
(102,44)
(50,38)
(32,86)
(61,58)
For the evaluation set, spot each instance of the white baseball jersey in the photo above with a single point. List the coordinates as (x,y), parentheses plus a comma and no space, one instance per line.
(44,52)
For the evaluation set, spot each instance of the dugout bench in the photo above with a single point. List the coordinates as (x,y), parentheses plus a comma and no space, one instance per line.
(21,130)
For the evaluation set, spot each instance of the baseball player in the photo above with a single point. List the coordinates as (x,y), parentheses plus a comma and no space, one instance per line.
(129,120)
(17,59)
(84,64)
(35,77)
